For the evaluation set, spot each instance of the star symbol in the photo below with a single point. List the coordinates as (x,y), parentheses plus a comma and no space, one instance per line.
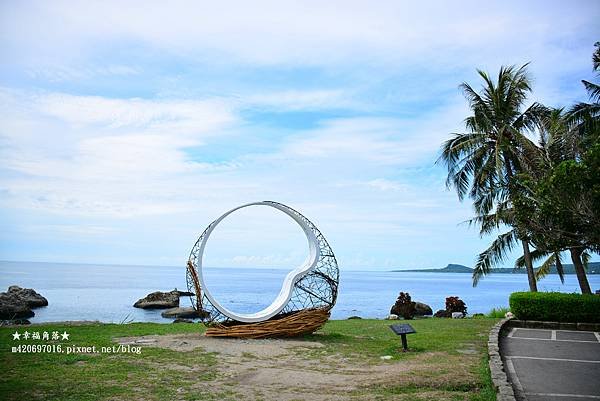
(64,336)
(16,336)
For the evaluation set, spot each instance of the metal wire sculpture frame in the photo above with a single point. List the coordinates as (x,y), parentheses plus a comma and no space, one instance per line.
(317,289)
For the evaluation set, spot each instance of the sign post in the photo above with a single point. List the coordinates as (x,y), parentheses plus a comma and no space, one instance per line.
(402,330)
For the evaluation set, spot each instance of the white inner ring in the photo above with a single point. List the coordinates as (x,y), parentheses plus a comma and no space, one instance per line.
(290,279)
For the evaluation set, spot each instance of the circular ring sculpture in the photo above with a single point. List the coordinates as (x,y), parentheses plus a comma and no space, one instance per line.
(303,304)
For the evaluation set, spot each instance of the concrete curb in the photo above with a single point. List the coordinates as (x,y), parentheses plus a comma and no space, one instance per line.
(504,390)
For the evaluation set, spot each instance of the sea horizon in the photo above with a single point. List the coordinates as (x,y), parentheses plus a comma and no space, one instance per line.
(73,289)
(354,269)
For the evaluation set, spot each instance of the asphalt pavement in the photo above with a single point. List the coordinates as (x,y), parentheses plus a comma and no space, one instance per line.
(552,365)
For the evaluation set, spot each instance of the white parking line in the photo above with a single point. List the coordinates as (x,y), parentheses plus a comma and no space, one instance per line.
(553,336)
(508,358)
(550,339)
(597,335)
(513,375)
(511,333)
(527,328)
(593,397)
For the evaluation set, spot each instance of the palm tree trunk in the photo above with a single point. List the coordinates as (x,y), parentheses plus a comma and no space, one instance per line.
(529,267)
(580,270)
(526,252)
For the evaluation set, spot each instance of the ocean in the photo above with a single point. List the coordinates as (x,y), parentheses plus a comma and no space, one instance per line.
(107,292)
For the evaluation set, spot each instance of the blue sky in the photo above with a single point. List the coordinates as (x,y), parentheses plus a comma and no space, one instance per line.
(125,128)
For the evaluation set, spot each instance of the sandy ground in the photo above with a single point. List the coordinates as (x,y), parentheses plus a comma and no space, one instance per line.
(276,369)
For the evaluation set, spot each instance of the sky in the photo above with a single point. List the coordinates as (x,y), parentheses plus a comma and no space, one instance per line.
(127,127)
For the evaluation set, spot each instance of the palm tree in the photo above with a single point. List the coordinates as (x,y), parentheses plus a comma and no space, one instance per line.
(567,136)
(584,118)
(560,131)
(503,216)
(482,162)
(560,140)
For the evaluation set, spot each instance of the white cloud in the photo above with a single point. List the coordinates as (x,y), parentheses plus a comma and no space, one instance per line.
(362,138)
(128,157)
(92,156)
(391,141)
(61,73)
(80,230)
(288,32)
(259,261)
(386,185)
(178,116)
(294,100)
(94,153)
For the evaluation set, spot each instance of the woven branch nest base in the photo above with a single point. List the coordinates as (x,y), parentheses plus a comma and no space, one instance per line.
(295,324)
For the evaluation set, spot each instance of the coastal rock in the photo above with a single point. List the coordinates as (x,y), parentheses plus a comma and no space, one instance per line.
(14,322)
(422,309)
(181,320)
(457,315)
(184,293)
(391,316)
(17,303)
(29,296)
(183,312)
(13,308)
(442,313)
(159,300)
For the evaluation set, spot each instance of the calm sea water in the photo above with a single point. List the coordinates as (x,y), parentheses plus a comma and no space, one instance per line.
(107,292)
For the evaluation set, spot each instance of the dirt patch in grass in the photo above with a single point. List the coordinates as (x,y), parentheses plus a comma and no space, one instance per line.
(268,348)
(287,370)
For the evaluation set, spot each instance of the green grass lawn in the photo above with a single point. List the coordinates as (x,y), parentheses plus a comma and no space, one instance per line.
(447,361)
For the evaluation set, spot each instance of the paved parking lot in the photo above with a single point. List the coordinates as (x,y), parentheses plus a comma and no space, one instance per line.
(553,365)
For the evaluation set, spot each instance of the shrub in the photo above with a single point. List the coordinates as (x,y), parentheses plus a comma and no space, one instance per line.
(455,304)
(442,313)
(498,313)
(555,306)
(404,306)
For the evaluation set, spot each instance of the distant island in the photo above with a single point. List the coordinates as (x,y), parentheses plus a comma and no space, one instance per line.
(593,268)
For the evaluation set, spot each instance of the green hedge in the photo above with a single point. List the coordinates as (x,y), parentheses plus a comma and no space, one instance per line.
(555,307)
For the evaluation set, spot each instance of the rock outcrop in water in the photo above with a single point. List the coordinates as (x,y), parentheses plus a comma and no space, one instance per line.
(17,303)
(417,308)
(182,320)
(29,296)
(442,313)
(184,293)
(183,312)
(11,308)
(422,309)
(159,300)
